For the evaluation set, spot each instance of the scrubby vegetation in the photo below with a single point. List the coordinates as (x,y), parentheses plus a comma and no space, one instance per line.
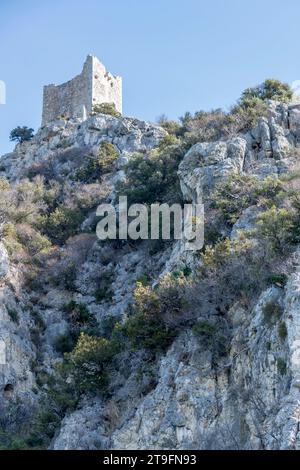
(60,224)
(153,178)
(95,166)
(205,126)
(42,222)
(272,312)
(157,314)
(106,108)
(21,134)
(240,191)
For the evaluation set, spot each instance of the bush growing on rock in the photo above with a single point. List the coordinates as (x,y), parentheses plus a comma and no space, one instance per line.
(106,108)
(246,113)
(209,126)
(90,361)
(270,89)
(212,336)
(22,202)
(282,331)
(229,271)
(78,313)
(172,127)
(96,166)
(153,178)
(252,104)
(272,311)
(239,191)
(60,224)
(276,226)
(103,290)
(157,314)
(21,134)
(281,366)
(35,242)
(65,342)
(206,126)
(13,315)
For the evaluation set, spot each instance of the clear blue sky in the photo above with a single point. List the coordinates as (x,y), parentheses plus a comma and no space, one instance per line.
(174,55)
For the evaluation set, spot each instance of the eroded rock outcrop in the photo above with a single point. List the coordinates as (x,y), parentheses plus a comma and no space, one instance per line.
(249,398)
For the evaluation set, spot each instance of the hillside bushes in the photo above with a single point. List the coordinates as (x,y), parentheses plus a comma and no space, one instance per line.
(270,89)
(90,361)
(95,166)
(205,126)
(60,224)
(156,315)
(239,191)
(153,177)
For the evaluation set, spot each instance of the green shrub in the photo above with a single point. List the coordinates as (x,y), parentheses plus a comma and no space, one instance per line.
(44,426)
(211,235)
(65,342)
(276,226)
(146,331)
(272,311)
(60,224)
(104,291)
(247,112)
(211,336)
(204,327)
(9,231)
(282,331)
(144,279)
(252,104)
(70,306)
(153,177)
(172,127)
(21,134)
(90,361)
(216,124)
(224,252)
(204,126)
(281,366)
(32,240)
(157,315)
(270,89)
(13,315)
(78,312)
(38,319)
(9,441)
(96,166)
(185,271)
(233,195)
(279,280)
(240,191)
(106,108)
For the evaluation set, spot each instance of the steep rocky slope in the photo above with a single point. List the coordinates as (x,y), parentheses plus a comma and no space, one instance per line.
(246,399)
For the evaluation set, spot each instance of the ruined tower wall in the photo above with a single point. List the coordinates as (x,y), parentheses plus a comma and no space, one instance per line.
(77,97)
(106,87)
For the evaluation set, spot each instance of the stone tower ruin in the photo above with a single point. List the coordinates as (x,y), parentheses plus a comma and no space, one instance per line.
(76,98)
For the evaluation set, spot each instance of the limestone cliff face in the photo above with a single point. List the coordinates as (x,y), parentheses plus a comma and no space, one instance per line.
(65,142)
(245,400)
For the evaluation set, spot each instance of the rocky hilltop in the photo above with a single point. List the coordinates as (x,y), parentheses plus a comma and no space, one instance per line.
(141,345)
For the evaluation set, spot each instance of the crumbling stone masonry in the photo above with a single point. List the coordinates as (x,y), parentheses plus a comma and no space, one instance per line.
(77,97)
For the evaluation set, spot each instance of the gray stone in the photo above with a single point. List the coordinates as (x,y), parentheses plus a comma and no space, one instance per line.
(4,261)
(77,97)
